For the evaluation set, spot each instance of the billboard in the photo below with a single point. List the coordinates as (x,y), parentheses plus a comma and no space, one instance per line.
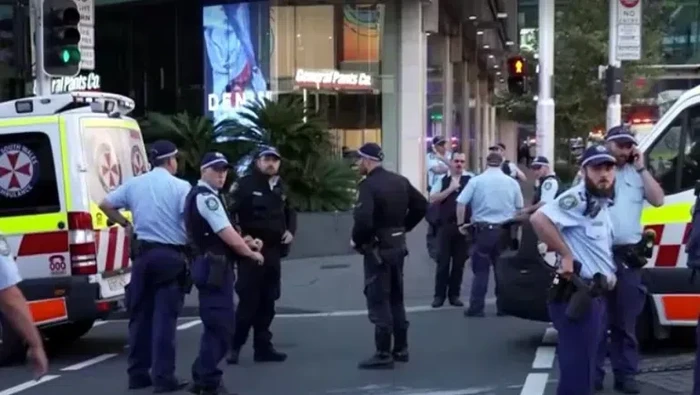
(236,57)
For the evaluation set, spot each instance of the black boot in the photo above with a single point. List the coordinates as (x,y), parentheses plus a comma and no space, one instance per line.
(269,354)
(382,359)
(400,352)
(233,356)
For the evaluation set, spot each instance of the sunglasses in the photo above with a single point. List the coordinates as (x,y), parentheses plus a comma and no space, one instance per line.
(458,161)
(625,145)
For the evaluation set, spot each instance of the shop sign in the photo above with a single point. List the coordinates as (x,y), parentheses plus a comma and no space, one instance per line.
(332,79)
(88,82)
(234,100)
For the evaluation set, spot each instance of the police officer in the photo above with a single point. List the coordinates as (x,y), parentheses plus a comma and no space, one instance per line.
(507,166)
(546,185)
(155,294)
(217,246)
(438,165)
(577,225)
(15,310)
(633,184)
(263,212)
(495,198)
(452,245)
(387,207)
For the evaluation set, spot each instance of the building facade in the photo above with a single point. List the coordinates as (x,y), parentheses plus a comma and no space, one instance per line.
(396,72)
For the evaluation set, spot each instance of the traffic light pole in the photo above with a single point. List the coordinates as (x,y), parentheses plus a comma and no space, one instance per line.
(545,101)
(43,81)
(614,112)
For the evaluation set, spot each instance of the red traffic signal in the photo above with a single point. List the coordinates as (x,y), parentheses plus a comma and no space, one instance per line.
(517,66)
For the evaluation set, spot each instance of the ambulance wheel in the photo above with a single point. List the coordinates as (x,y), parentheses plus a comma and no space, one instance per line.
(68,333)
(12,348)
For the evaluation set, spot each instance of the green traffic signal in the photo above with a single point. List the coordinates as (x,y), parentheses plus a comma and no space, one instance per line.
(70,55)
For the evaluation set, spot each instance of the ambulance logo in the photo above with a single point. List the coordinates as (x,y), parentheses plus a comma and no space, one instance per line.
(109,168)
(19,170)
(138,164)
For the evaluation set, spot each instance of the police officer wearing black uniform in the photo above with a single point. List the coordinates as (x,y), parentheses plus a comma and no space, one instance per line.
(259,203)
(453,248)
(387,207)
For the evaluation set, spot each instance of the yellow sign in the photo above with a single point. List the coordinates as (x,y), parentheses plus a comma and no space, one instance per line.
(518,66)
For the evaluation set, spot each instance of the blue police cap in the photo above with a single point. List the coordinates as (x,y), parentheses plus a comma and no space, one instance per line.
(371,151)
(162,149)
(621,134)
(597,155)
(215,160)
(437,140)
(539,161)
(269,151)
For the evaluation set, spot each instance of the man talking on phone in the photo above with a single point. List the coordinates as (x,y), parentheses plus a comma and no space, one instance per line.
(633,185)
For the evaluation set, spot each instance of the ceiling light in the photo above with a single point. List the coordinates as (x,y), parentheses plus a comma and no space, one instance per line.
(472,17)
(479,32)
(486,46)
(509,43)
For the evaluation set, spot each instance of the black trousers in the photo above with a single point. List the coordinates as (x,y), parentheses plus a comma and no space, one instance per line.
(384,292)
(453,251)
(258,288)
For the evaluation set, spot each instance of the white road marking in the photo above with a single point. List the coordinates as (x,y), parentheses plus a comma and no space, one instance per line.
(28,385)
(535,384)
(99,323)
(544,357)
(89,362)
(550,337)
(188,325)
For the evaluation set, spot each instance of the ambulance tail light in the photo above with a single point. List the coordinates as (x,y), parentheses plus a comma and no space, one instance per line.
(81,239)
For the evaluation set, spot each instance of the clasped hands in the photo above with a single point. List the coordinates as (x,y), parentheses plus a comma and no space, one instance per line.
(253,244)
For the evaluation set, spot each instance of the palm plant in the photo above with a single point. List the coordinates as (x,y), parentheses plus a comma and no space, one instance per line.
(317,180)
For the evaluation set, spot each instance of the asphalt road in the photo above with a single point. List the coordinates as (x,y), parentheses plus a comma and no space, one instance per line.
(450,355)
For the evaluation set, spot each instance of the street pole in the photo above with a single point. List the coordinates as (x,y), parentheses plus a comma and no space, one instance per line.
(545,101)
(43,81)
(613,116)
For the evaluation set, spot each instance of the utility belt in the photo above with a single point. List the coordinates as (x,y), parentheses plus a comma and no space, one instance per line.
(578,292)
(635,256)
(388,244)
(219,266)
(184,277)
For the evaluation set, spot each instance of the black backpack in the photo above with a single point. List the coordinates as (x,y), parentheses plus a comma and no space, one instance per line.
(505,167)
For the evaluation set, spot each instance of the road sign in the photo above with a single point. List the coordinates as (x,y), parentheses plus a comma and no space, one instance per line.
(87,33)
(629,30)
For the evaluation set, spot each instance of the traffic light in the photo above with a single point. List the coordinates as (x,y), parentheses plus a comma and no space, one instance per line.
(517,75)
(61,38)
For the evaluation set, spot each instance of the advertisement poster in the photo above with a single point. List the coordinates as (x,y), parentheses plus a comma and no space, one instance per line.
(236,57)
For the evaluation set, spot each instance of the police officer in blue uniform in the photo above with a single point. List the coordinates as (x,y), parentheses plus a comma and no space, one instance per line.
(259,202)
(155,294)
(578,227)
(546,184)
(494,198)
(217,246)
(453,248)
(633,184)
(387,207)
(438,164)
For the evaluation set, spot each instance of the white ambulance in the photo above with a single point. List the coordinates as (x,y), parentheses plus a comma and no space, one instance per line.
(59,156)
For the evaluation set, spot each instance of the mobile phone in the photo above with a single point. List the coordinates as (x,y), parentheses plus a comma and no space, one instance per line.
(632,158)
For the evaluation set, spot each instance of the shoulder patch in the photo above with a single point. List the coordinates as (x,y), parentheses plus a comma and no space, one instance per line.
(547,186)
(4,247)
(568,202)
(212,203)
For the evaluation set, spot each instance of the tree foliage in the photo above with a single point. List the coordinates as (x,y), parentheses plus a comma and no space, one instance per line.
(581,45)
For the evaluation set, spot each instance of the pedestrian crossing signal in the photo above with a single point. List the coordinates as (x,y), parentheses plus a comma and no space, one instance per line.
(517,66)
(517,76)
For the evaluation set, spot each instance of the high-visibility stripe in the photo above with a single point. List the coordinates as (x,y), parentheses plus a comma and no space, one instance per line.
(667,214)
(48,310)
(65,154)
(32,223)
(110,123)
(28,121)
(681,307)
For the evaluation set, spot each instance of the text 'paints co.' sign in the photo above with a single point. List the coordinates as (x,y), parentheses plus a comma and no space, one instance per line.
(88,82)
(332,79)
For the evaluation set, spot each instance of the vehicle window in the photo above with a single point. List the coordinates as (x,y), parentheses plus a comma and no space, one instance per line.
(663,154)
(691,167)
(27,175)
(113,156)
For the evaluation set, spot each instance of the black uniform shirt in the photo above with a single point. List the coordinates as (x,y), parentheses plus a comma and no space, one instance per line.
(386,200)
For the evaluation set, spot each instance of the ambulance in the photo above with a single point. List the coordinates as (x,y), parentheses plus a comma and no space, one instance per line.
(59,156)
(672,154)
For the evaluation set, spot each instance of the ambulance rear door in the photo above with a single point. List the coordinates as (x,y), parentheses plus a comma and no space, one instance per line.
(114,153)
(33,214)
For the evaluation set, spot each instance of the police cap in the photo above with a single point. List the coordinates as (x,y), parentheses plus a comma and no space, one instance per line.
(269,151)
(216,161)
(621,134)
(597,155)
(498,146)
(162,149)
(438,140)
(539,161)
(371,151)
